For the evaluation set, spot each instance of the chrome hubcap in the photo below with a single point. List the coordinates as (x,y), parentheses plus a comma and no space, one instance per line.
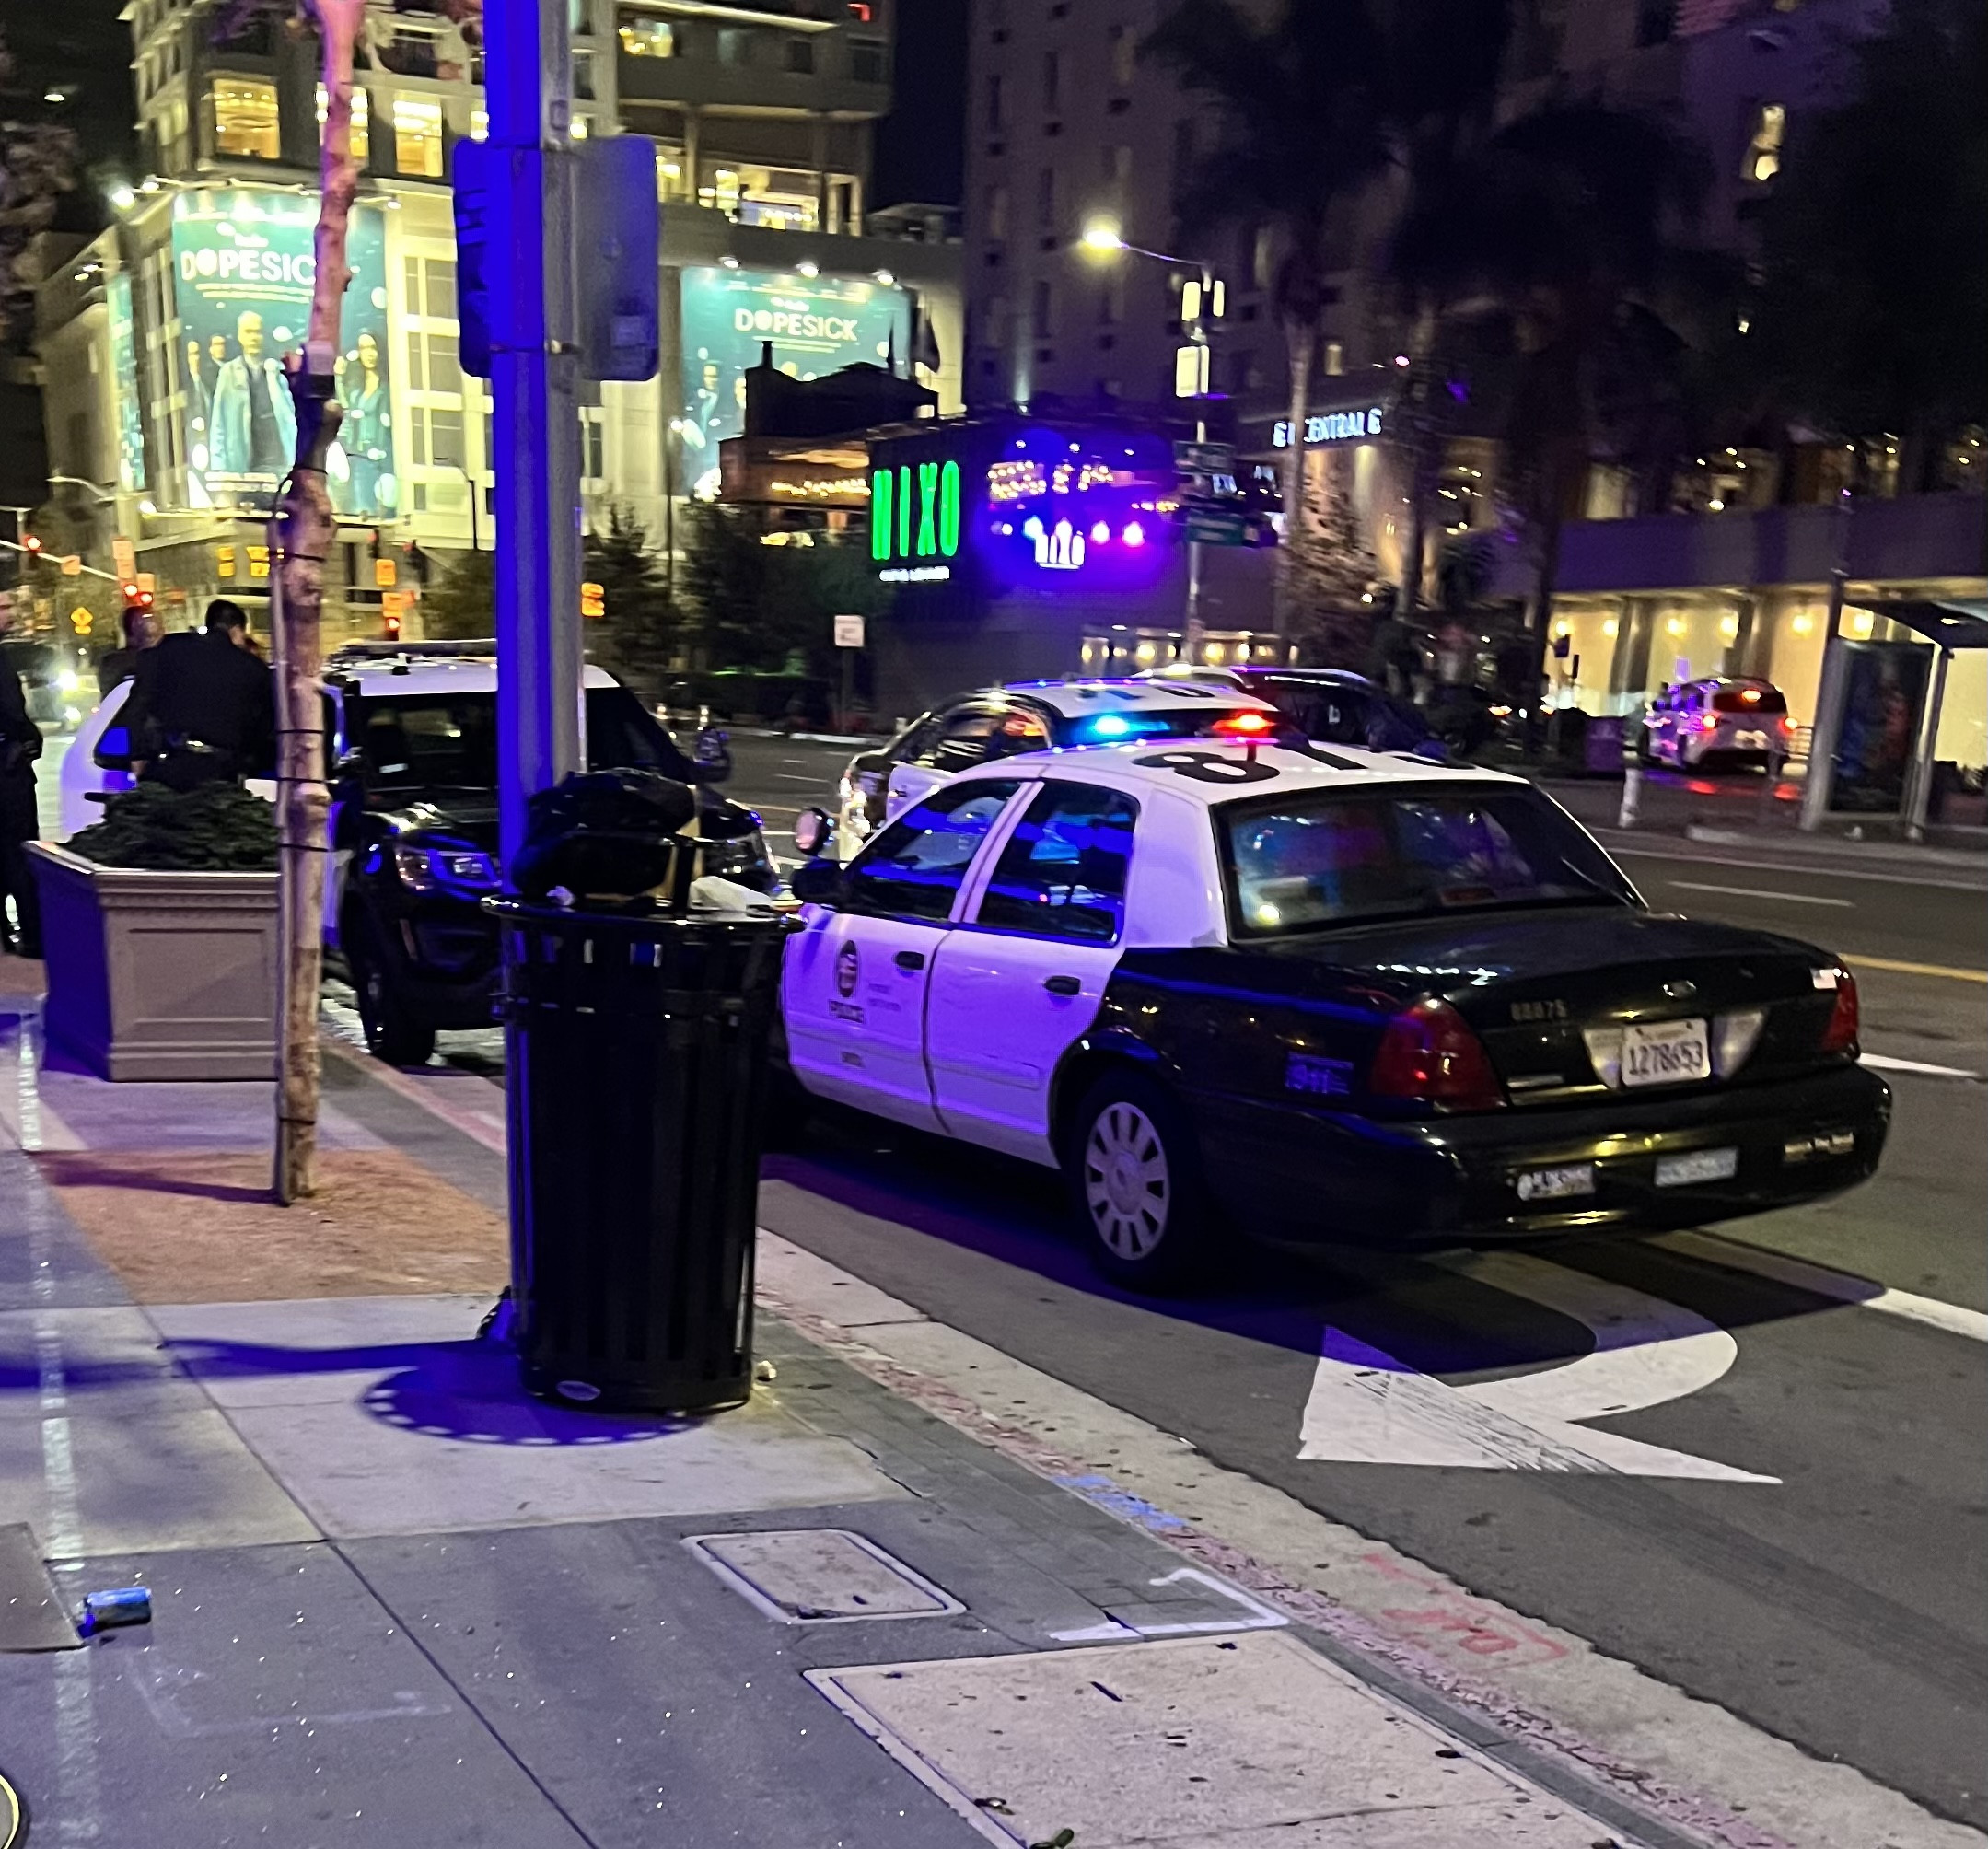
(1126,1186)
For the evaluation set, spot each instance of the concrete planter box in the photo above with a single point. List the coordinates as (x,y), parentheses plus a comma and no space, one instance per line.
(159,975)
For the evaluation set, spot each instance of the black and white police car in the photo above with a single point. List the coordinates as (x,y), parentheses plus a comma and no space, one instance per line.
(1233,987)
(1032,715)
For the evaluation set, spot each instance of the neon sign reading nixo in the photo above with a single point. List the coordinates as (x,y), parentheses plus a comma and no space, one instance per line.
(1330,426)
(915,514)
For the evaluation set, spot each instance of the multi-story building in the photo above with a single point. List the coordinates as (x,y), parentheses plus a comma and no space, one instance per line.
(1067,124)
(761,114)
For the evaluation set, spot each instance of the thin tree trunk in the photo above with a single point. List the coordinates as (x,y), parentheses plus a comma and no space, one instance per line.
(301,536)
(1300,339)
(1544,586)
(1422,442)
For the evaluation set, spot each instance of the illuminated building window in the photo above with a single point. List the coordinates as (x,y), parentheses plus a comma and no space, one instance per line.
(669,181)
(417,137)
(1763,150)
(360,122)
(647,38)
(479,124)
(1125,56)
(780,198)
(245,118)
(1191,370)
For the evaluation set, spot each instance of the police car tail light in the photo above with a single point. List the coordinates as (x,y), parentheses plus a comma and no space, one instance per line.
(1840,1035)
(1244,726)
(1429,1053)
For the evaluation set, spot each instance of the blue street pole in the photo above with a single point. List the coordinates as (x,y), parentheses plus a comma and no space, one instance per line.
(534,372)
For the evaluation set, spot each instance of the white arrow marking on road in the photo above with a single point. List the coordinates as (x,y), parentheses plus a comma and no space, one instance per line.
(1366,1407)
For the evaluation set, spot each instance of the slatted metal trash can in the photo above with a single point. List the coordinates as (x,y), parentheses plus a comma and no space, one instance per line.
(638,1049)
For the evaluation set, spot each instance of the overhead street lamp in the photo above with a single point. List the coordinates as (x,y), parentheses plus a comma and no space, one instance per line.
(1200,301)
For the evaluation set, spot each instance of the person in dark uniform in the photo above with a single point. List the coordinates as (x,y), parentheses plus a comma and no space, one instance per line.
(203,705)
(21,745)
(141,633)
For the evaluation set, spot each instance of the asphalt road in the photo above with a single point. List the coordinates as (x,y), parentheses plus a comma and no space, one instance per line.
(1804,1545)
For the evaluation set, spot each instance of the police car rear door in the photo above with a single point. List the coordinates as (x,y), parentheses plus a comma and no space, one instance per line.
(853,982)
(1023,978)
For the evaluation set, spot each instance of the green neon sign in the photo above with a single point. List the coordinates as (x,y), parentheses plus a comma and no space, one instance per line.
(915,512)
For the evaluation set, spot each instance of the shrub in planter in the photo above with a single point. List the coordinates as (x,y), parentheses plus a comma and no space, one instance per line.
(159,926)
(219,828)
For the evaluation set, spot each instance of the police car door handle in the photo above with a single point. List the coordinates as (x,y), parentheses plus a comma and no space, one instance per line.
(1063,985)
(910,960)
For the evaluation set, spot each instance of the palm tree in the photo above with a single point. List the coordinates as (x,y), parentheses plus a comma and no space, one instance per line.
(1299,137)
(1555,243)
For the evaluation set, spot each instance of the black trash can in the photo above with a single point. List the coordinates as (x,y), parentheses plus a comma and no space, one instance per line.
(639,1062)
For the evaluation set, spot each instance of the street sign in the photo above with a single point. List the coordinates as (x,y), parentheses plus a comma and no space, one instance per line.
(148,583)
(474,176)
(1204,459)
(123,556)
(593,601)
(1217,527)
(384,574)
(849,631)
(618,258)
(71,565)
(82,618)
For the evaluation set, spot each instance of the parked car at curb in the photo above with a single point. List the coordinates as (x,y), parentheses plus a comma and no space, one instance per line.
(1031,715)
(1231,986)
(411,743)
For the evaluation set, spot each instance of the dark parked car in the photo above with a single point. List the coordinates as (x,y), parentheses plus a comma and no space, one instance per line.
(414,834)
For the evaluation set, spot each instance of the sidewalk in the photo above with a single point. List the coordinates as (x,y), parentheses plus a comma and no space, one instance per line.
(1736,814)
(398,1603)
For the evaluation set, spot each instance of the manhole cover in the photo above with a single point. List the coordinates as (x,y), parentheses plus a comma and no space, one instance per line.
(820,1575)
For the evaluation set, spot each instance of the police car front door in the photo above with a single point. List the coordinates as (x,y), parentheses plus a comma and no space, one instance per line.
(853,982)
(1023,978)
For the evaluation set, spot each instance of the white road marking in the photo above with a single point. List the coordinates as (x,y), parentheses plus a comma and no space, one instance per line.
(1885,1062)
(1367,1407)
(1759,892)
(1959,882)
(1840,1286)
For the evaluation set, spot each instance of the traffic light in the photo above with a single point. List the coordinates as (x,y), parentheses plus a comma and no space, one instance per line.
(593,601)
(32,546)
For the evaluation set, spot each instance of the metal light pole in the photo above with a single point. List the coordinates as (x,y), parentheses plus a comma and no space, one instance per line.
(1102,237)
(534,371)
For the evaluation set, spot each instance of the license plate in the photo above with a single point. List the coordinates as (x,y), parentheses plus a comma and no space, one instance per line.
(1701,1164)
(1556,1184)
(1665,1052)
(1753,742)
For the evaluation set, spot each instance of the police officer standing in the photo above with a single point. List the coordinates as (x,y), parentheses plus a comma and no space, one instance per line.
(141,633)
(21,745)
(203,707)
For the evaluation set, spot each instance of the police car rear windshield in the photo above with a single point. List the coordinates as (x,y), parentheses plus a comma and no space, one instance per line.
(449,742)
(1321,858)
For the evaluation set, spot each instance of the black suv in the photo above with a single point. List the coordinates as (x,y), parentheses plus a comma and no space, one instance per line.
(414,834)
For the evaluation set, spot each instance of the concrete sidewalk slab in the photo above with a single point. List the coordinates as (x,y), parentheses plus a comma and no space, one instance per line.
(425,1432)
(111,1484)
(1219,1743)
(271,1701)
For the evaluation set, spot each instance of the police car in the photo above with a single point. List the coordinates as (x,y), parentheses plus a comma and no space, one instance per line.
(1032,715)
(1235,986)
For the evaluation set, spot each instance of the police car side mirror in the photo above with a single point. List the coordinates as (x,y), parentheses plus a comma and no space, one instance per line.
(819,882)
(814,832)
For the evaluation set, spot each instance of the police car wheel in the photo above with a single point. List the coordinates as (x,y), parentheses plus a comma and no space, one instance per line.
(390,1034)
(1137,1194)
